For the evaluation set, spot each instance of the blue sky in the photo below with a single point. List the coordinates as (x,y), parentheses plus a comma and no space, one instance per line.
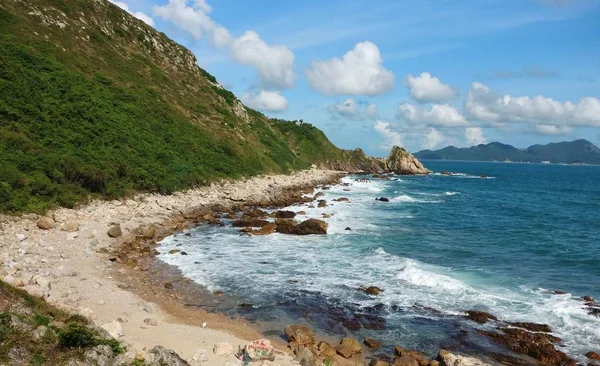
(421,73)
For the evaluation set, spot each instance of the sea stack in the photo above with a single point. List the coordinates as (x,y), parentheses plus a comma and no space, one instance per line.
(401,161)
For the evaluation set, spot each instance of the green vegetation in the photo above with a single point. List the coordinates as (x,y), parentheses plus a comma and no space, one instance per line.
(94,103)
(66,337)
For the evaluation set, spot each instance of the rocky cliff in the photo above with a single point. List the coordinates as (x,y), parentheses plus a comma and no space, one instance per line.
(398,161)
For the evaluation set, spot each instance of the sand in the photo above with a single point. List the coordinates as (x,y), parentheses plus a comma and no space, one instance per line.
(72,270)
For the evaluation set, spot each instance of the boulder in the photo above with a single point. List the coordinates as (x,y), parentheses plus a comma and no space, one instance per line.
(304,355)
(223,349)
(372,343)
(376,362)
(70,226)
(115,231)
(265,230)
(113,328)
(301,213)
(100,355)
(299,333)
(260,349)
(149,232)
(160,356)
(449,359)
(308,227)
(382,199)
(342,199)
(344,351)
(405,361)
(353,344)
(401,161)
(480,317)
(322,204)
(373,290)
(285,214)
(46,223)
(593,356)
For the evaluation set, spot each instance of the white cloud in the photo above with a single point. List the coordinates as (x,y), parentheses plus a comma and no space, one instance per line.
(483,105)
(553,130)
(195,20)
(474,136)
(348,109)
(390,137)
(371,111)
(438,115)
(433,138)
(266,101)
(138,14)
(358,72)
(275,64)
(428,88)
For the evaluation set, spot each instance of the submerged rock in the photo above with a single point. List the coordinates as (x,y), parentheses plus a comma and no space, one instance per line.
(308,227)
(373,290)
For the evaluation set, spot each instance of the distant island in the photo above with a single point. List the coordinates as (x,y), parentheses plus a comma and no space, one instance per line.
(574,152)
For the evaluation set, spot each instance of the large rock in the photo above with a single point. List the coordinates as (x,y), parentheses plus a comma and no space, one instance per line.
(401,161)
(46,223)
(480,317)
(70,226)
(348,347)
(299,333)
(113,328)
(285,214)
(160,356)
(265,230)
(115,231)
(100,355)
(405,361)
(308,227)
(449,359)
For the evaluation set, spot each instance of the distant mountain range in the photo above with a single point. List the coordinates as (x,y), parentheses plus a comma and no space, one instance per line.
(574,152)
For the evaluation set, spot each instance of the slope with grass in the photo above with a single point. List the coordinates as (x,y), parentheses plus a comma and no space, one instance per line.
(95,103)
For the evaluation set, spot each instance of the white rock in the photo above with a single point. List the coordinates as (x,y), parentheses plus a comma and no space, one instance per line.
(114,329)
(87,312)
(150,321)
(223,349)
(20,237)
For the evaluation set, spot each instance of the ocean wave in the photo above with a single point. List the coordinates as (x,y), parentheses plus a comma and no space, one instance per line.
(408,199)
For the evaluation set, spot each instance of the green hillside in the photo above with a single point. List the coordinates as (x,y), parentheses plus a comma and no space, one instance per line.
(95,103)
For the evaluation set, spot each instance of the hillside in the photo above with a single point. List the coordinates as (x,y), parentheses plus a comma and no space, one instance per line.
(95,103)
(574,152)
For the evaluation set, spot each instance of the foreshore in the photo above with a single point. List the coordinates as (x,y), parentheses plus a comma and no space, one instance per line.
(69,257)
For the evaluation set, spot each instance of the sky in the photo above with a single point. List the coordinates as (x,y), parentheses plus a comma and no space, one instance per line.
(423,74)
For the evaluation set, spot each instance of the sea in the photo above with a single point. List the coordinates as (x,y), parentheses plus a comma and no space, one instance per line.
(522,242)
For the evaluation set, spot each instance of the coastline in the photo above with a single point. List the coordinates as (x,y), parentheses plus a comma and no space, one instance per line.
(71,263)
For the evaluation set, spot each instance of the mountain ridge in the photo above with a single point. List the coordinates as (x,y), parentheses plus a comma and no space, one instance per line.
(578,151)
(95,103)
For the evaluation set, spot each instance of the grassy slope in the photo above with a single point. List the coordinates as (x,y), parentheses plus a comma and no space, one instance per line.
(94,102)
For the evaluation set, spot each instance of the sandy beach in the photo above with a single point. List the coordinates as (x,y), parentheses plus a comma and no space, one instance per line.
(66,260)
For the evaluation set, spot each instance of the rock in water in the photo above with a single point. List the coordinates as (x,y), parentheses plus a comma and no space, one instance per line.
(159,356)
(401,161)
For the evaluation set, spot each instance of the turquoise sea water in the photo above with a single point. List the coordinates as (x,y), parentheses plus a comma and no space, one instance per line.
(442,245)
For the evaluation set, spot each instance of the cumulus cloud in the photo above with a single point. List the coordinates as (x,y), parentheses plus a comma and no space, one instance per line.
(195,20)
(433,138)
(474,136)
(350,110)
(427,88)
(483,105)
(275,64)
(138,14)
(358,72)
(266,101)
(371,111)
(553,130)
(390,137)
(438,115)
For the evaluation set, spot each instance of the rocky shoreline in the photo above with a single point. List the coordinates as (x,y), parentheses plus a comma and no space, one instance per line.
(160,298)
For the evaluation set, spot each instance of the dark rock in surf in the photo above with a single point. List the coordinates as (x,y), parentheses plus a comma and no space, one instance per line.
(382,199)
(285,214)
(532,327)
(480,317)
(373,290)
